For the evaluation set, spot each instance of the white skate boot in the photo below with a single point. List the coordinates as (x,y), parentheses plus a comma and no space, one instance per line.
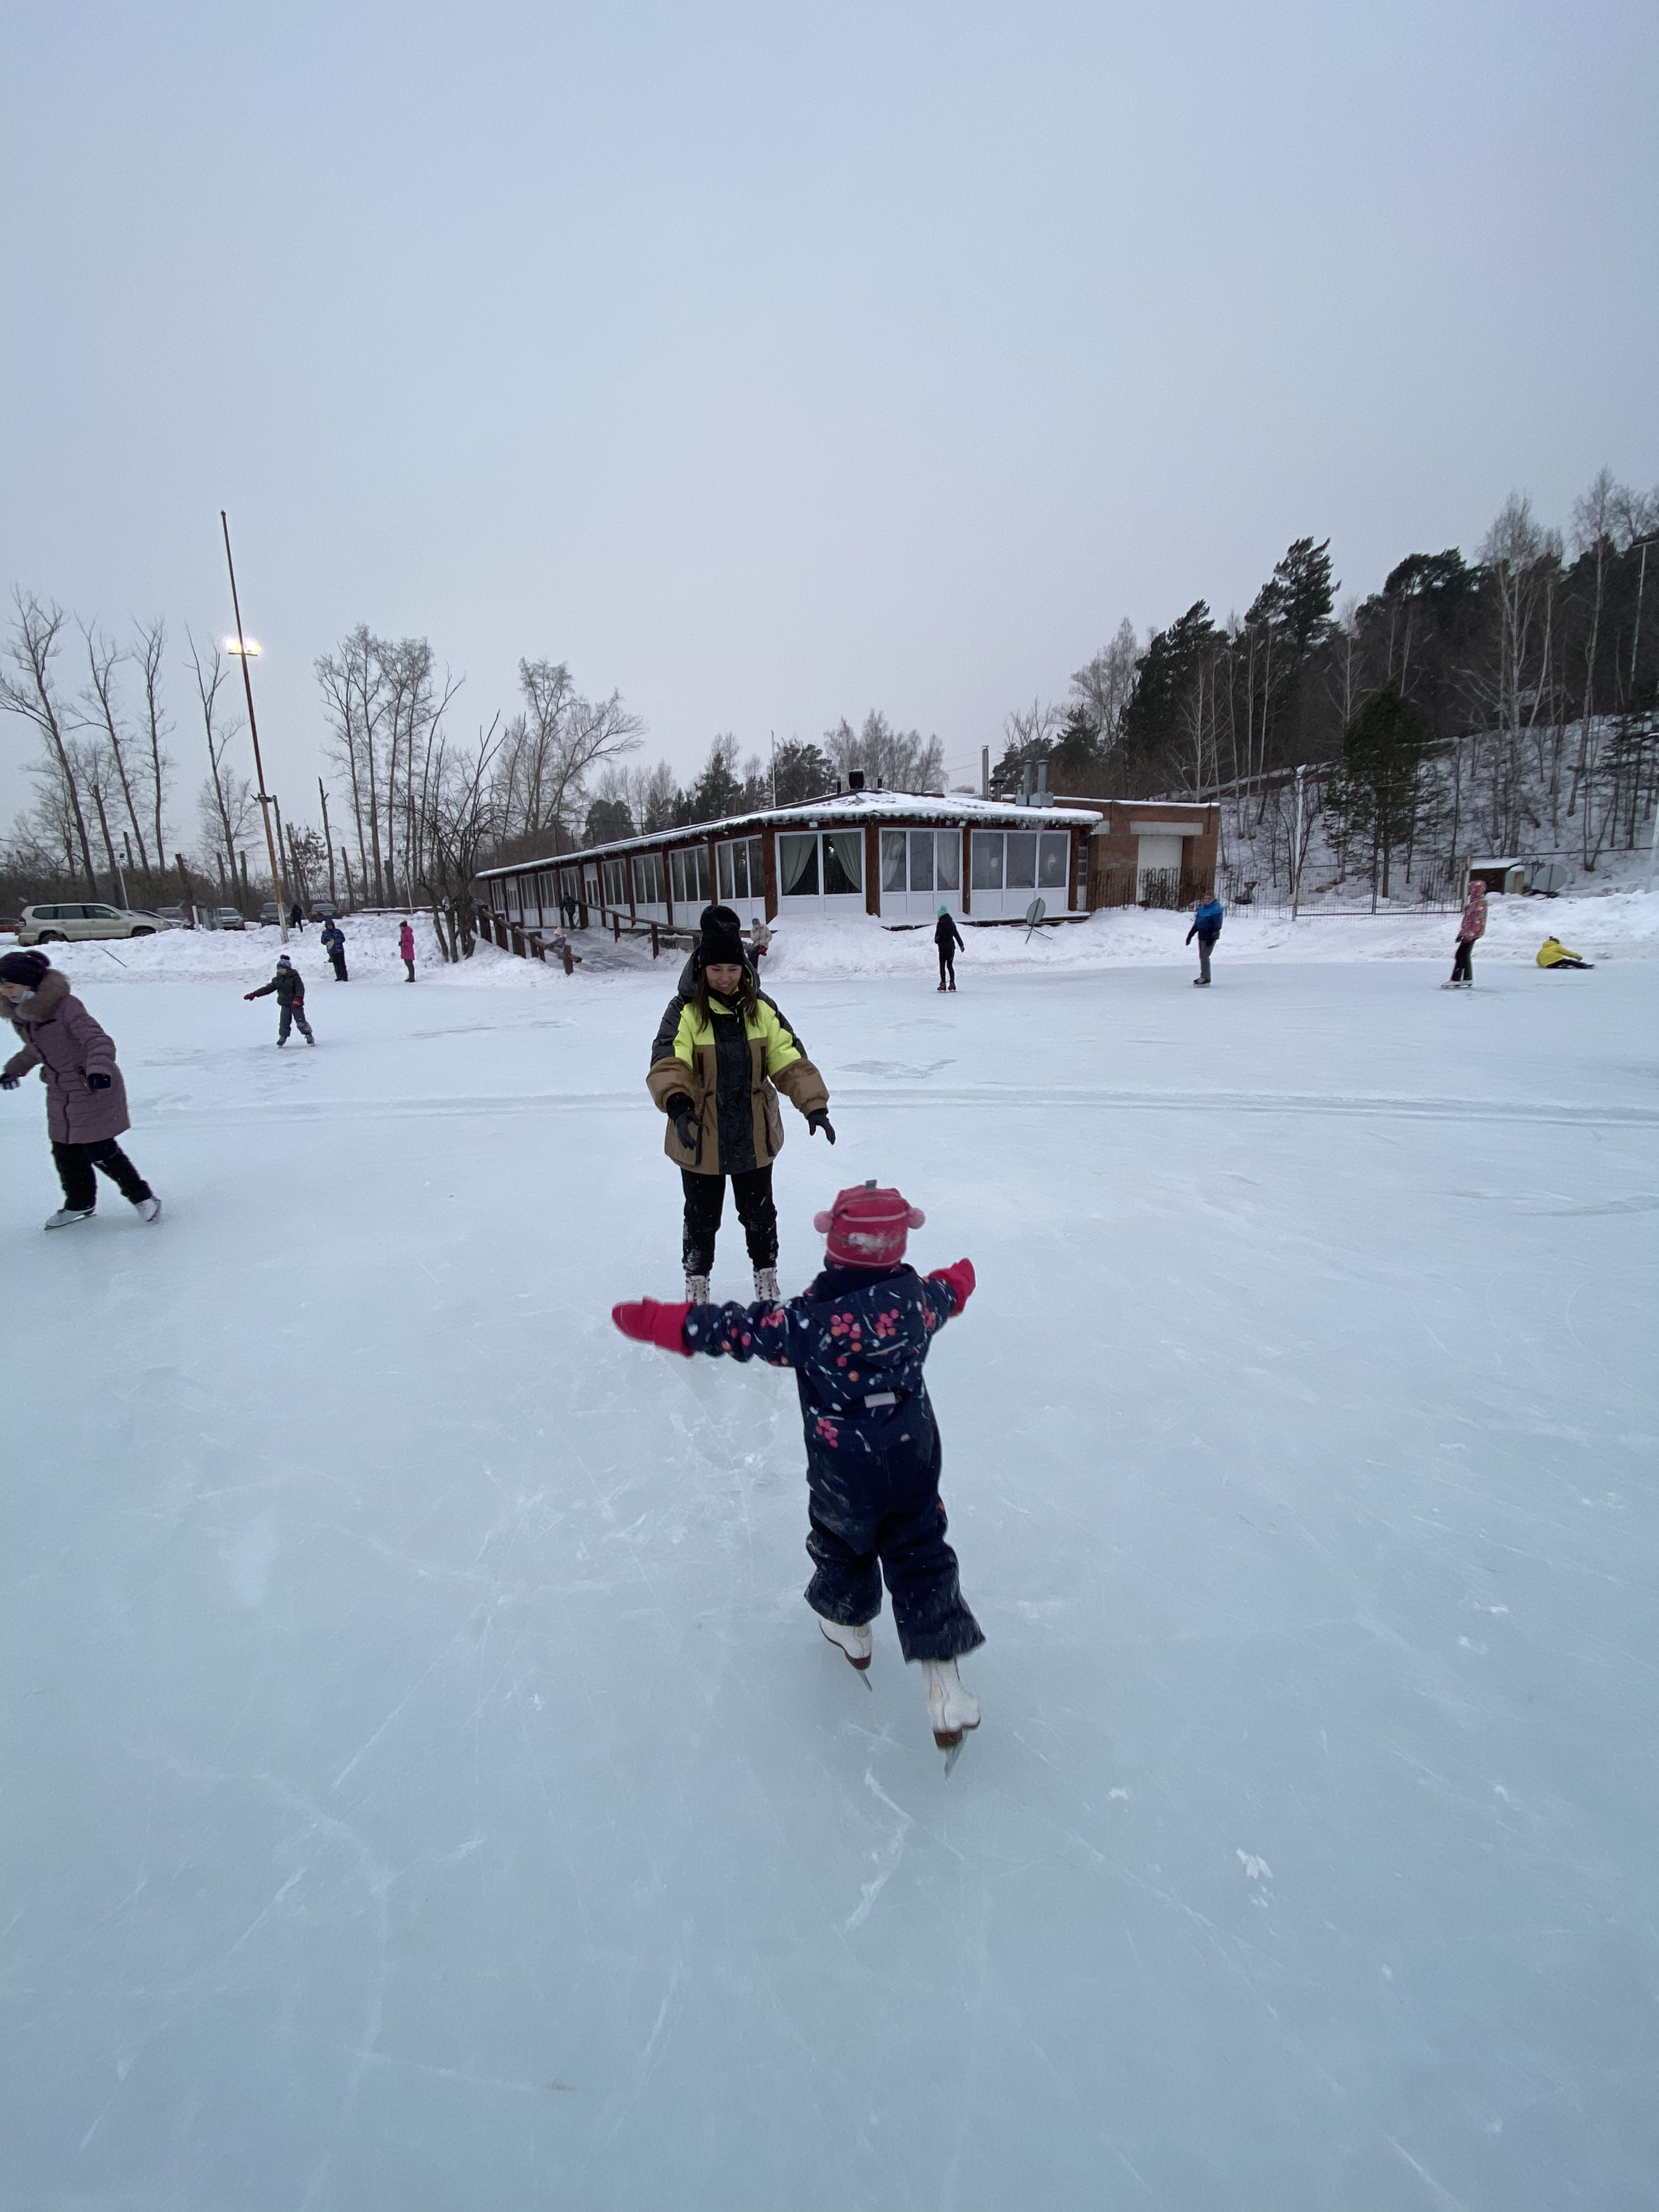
(149,1209)
(856,1642)
(951,1707)
(766,1287)
(67,1215)
(696,1290)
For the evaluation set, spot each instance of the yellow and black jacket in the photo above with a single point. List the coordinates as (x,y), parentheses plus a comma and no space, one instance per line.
(731,1068)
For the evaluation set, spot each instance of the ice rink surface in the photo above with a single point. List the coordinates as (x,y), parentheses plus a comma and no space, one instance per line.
(426,1789)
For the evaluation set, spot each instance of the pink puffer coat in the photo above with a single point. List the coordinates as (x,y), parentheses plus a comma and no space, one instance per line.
(1473,923)
(63,1041)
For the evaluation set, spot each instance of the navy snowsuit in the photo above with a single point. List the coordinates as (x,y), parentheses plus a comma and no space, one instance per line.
(857,1340)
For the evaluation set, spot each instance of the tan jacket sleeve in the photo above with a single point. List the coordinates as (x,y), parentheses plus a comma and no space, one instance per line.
(803,1086)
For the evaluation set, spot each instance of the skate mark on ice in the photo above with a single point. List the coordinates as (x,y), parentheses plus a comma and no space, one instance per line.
(869,1891)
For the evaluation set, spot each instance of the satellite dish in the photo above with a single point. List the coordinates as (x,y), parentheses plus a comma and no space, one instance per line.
(1034,914)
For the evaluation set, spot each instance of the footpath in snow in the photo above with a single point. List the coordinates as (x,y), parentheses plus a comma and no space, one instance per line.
(427,1788)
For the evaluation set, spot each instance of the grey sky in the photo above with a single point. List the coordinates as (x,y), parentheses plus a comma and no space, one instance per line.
(768,363)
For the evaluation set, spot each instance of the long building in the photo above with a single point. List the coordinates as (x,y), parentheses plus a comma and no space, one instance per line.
(897,856)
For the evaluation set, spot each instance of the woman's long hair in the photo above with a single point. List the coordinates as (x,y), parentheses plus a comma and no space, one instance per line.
(747,994)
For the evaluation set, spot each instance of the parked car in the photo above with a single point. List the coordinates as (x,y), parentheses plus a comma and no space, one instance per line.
(270,915)
(179,917)
(229,917)
(324,910)
(62,923)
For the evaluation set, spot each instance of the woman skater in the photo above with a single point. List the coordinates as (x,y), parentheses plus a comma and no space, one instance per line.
(947,936)
(86,1098)
(722,1054)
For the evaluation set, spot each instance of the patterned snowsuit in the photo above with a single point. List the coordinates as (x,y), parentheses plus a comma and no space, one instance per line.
(857,1340)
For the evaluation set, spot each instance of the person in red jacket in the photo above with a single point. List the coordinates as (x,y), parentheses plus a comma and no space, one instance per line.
(1470,930)
(406,950)
(857,1340)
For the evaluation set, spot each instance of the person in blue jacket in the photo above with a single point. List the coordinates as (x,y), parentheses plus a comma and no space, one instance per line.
(857,1340)
(1206,927)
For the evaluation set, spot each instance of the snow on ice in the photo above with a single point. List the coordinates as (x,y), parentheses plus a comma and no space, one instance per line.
(427,1788)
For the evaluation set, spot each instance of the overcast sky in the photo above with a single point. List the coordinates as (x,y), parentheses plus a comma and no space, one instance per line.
(768,363)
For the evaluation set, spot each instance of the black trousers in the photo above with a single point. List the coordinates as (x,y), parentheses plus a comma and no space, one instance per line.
(340,975)
(886,1519)
(1463,961)
(947,963)
(705,1202)
(75,1163)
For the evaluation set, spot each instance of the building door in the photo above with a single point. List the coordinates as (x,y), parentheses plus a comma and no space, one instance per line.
(1158,870)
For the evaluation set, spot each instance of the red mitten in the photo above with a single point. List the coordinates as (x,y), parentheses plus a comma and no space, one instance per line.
(961,1279)
(649,1322)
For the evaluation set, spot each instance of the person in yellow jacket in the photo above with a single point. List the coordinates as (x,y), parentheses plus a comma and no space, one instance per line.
(723,1052)
(1551,953)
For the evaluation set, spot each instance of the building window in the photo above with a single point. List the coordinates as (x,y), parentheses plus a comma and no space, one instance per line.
(740,871)
(892,860)
(688,875)
(921,860)
(988,859)
(1019,868)
(616,882)
(1054,857)
(843,861)
(798,866)
(647,880)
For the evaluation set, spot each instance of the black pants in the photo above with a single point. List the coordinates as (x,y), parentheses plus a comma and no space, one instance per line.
(75,1163)
(947,963)
(295,1014)
(1463,961)
(895,1517)
(340,975)
(409,964)
(705,1202)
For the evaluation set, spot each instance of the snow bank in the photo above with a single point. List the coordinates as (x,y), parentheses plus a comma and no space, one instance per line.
(1616,925)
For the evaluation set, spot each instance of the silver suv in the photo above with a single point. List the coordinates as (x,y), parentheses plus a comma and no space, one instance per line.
(62,923)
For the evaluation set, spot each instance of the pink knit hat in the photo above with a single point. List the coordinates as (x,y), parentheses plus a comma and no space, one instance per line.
(866,1227)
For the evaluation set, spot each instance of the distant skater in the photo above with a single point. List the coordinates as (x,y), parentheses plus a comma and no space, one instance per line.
(289,986)
(947,936)
(295,918)
(334,945)
(1472,927)
(857,1340)
(569,907)
(760,943)
(1206,927)
(86,1098)
(406,950)
(1551,953)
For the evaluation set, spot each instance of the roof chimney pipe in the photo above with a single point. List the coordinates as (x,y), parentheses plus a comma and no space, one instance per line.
(855,779)
(1042,783)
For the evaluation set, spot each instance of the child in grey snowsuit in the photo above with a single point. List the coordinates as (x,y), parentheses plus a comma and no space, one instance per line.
(289,986)
(857,1340)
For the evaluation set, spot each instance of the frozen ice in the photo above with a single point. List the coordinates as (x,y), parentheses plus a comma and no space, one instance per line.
(426,1786)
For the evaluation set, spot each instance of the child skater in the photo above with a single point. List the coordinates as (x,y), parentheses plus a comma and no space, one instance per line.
(857,1340)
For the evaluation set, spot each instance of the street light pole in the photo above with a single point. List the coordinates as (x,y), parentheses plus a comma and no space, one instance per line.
(253,732)
(1295,884)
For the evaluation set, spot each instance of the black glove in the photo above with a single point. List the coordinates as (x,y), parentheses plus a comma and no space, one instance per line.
(684,1115)
(98,1083)
(819,1121)
(9,1081)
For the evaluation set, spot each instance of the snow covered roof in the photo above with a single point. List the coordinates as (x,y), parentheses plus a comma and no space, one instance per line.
(822,813)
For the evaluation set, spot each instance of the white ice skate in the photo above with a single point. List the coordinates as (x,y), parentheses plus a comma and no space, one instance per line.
(766,1287)
(66,1216)
(696,1290)
(951,1707)
(149,1209)
(856,1642)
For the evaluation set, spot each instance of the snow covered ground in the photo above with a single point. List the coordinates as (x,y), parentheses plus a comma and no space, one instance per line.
(427,1789)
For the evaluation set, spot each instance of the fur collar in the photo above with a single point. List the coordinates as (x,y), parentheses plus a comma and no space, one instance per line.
(43,1002)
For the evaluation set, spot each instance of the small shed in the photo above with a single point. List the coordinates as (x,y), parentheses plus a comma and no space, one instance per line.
(1499,875)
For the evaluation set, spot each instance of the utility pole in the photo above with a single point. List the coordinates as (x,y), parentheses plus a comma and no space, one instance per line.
(1295,877)
(279,890)
(253,732)
(328,842)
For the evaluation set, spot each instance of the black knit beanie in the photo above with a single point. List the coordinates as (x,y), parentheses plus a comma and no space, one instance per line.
(720,938)
(23,968)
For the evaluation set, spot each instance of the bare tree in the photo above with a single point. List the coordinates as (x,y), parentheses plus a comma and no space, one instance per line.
(28,688)
(152,643)
(103,658)
(460,824)
(1104,684)
(901,760)
(543,758)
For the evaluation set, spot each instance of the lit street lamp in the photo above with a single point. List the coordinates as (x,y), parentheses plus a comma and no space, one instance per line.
(245,647)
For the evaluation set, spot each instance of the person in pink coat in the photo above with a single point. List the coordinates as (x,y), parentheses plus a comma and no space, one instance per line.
(1472,926)
(86,1098)
(406,950)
